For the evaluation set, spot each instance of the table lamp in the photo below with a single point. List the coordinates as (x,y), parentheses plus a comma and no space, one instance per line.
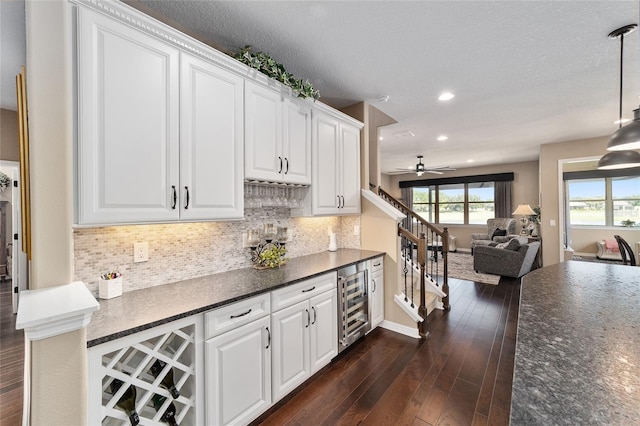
(524,211)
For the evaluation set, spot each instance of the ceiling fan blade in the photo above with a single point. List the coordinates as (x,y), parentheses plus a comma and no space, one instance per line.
(435,172)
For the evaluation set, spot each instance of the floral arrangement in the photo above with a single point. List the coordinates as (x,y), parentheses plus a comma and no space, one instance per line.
(5,181)
(273,257)
(264,63)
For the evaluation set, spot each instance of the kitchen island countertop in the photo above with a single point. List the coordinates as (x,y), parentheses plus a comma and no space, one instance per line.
(150,307)
(578,346)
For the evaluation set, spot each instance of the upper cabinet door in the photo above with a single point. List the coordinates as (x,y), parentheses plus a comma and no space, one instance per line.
(127,151)
(350,169)
(211,141)
(296,143)
(263,134)
(325,187)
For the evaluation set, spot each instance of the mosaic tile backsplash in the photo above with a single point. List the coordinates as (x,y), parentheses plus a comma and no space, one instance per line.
(187,250)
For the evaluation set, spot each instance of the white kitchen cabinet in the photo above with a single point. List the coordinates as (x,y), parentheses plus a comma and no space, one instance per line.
(211,141)
(305,333)
(128,118)
(336,173)
(277,136)
(376,291)
(160,132)
(238,374)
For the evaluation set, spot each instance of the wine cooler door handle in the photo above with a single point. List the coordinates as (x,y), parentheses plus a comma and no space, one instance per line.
(186,206)
(309,289)
(315,315)
(280,158)
(175,197)
(287,169)
(241,315)
(268,338)
(308,319)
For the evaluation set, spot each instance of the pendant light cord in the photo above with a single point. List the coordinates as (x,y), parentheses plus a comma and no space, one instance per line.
(621,57)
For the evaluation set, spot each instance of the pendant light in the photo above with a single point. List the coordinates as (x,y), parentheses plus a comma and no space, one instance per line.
(628,137)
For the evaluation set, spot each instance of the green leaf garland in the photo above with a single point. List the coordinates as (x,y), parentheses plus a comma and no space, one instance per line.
(264,63)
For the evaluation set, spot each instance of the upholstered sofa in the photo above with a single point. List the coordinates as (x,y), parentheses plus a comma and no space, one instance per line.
(507,224)
(608,253)
(506,261)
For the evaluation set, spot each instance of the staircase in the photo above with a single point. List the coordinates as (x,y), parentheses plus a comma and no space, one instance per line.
(424,278)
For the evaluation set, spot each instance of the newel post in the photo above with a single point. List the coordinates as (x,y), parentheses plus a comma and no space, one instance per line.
(422,309)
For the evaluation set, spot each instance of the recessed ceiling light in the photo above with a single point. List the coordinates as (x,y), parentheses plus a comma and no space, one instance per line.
(469,161)
(445,96)
(381,138)
(443,137)
(622,121)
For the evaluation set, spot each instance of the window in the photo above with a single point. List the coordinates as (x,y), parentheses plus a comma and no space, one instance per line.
(460,203)
(604,201)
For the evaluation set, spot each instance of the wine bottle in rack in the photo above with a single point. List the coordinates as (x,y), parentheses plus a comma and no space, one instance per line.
(169,415)
(167,380)
(127,401)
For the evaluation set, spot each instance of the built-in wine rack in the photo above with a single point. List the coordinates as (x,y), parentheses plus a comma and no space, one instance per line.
(129,359)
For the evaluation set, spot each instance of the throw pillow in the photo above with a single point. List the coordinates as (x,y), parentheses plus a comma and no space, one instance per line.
(513,244)
(502,245)
(499,233)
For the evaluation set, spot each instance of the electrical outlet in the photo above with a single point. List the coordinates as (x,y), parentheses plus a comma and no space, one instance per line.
(140,252)
(356,230)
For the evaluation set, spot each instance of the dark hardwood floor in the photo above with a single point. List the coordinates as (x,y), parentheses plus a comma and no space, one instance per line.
(462,375)
(11,361)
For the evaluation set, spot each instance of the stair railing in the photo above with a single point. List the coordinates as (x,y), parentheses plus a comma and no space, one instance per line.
(411,230)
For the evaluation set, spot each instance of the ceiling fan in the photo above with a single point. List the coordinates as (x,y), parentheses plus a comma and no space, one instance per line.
(420,168)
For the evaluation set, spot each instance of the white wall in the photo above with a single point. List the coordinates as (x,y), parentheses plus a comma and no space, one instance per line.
(58,364)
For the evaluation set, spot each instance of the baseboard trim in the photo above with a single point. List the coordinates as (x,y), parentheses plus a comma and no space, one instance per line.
(401,329)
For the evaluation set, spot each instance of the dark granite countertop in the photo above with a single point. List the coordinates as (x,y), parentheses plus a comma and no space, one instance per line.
(141,309)
(577,356)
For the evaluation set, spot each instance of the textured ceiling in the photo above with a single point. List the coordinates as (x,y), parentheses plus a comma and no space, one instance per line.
(524,73)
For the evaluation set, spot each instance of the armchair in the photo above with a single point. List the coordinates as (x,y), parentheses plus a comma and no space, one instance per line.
(506,223)
(505,262)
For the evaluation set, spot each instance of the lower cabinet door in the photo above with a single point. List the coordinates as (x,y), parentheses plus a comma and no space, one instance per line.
(290,348)
(323,335)
(238,374)
(376,298)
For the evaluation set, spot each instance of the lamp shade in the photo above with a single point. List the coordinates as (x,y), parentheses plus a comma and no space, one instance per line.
(524,210)
(619,160)
(627,137)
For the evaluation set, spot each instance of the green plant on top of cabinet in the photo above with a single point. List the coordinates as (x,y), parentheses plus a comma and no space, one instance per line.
(277,136)
(336,171)
(160,132)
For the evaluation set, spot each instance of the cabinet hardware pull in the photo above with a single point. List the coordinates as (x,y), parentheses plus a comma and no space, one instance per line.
(175,197)
(376,264)
(309,289)
(187,205)
(338,200)
(315,315)
(241,315)
(287,161)
(308,319)
(268,338)
(280,158)
(374,285)
(342,201)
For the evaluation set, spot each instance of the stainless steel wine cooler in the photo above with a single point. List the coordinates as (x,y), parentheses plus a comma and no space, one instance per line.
(353,304)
